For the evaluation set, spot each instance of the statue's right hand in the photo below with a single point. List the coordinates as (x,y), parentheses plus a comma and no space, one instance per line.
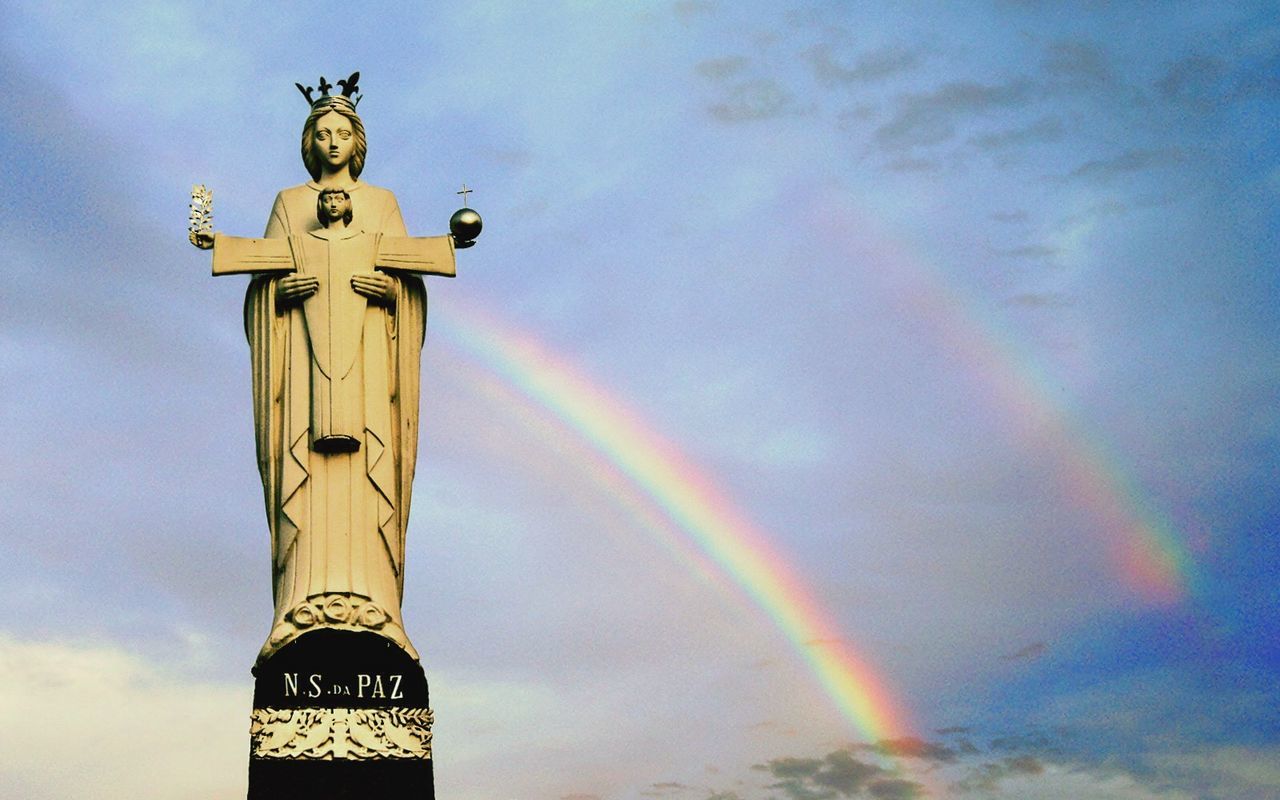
(294,288)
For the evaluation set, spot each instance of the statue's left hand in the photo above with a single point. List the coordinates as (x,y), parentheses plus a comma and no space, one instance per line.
(201,239)
(376,286)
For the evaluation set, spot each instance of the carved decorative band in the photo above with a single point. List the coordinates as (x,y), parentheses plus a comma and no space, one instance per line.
(338,608)
(325,734)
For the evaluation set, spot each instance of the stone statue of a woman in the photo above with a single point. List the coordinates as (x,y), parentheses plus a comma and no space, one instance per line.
(335,319)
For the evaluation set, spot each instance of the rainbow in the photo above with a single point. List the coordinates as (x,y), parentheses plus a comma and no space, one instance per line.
(1146,551)
(711,536)
(703,529)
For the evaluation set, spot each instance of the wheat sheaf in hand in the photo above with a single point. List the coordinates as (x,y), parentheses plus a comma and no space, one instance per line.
(201,218)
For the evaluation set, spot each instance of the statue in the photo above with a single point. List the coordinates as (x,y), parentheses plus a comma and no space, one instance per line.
(335,315)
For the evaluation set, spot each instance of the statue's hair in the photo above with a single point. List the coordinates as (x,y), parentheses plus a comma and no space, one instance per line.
(309,157)
(328,190)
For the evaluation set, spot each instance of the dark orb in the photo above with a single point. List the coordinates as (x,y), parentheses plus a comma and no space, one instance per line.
(465,225)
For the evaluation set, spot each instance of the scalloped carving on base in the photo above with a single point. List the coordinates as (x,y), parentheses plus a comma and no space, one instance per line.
(339,611)
(326,734)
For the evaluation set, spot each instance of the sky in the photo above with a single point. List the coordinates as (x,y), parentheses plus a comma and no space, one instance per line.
(843,400)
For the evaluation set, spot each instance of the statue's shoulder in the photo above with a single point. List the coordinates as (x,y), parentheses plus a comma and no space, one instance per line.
(293,211)
(302,191)
(377,195)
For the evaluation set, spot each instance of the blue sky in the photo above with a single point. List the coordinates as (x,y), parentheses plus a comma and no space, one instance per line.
(783,234)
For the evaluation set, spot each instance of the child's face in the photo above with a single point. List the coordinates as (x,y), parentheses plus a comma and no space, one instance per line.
(336,205)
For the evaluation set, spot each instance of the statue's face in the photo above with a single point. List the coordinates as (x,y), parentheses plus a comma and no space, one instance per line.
(336,205)
(334,141)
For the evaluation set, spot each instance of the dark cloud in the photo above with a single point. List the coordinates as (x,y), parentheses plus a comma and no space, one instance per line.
(724,796)
(1264,79)
(953,729)
(844,773)
(987,777)
(912,747)
(758,99)
(791,767)
(1130,161)
(797,789)
(895,789)
(872,66)
(839,774)
(1195,81)
(1081,64)
(1036,649)
(665,789)
(1048,129)
(718,69)
(1021,741)
(932,117)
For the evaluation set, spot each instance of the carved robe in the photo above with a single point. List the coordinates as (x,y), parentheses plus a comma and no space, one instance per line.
(336,364)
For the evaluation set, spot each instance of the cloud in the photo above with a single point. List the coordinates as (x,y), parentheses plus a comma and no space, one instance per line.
(1237,771)
(1024,765)
(762,98)
(1029,653)
(895,789)
(1009,216)
(1262,80)
(932,117)
(1047,129)
(838,774)
(666,789)
(987,777)
(912,747)
(1195,81)
(1035,741)
(718,69)
(1130,161)
(872,66)
(1080,64)
(89,713)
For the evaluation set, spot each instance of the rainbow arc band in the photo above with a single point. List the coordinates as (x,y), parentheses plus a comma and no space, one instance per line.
(692,505)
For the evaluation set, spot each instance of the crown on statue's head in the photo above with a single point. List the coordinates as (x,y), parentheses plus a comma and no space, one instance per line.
(347,98)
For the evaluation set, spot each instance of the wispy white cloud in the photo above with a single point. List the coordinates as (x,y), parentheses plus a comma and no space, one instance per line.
(83,717)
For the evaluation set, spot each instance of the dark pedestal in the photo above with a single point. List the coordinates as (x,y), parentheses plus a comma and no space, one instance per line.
(340,714)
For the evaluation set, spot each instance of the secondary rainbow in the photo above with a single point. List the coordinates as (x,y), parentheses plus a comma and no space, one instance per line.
(1145,548)
(704,516)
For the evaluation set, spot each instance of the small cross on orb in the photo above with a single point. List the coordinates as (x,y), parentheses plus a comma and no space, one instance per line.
(465,191)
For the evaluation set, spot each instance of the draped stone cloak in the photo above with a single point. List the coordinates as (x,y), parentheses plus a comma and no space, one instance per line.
(337,519)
